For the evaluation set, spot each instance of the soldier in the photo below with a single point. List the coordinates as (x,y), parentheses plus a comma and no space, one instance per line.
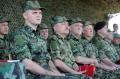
(43,30)
(61,53)
(107,52)
(82,58)
(87,36)
(8,70)
(29,47)
(76,30)
(115,41)
(90,48)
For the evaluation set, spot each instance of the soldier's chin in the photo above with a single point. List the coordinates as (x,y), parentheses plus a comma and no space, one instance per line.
(38,22)
(66,33)
(5,33)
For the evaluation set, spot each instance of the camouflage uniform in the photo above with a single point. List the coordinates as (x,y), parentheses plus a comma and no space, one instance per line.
(9,70)
(28,44)
(4,49)
(76,46)
(60,49)
(117,44)
(106,50)
(89,48)
(91,51)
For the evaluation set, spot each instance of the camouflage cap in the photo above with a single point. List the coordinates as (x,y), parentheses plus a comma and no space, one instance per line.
(87,23)
(42,26)
(3,19)
(58,19)
(75,20)
(32,5)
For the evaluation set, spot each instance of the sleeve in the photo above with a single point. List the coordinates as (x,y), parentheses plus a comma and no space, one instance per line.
(111,52)
(20,47)
(55,50)
(103,50)
(90,50)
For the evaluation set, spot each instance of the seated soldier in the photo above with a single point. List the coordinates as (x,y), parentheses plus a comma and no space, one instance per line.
(91,50)
(31,48)
(61,53)
(107,52)
(42,30)
(8,69)
(76,30)
(115,41)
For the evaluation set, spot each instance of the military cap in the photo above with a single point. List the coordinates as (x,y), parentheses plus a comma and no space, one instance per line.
(75,20)
(58,19)
(32,5)
(42,26)
(3,19)
(86,23)
(99,25)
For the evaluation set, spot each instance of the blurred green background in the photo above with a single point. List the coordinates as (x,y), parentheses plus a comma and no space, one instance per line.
(93,10)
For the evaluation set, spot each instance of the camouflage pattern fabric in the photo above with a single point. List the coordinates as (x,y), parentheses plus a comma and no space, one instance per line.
(4,49)
(89,48)
(106,50)
(28,44)
(61,49)
(82,47)
(76,46)
(117,47)
(9,70)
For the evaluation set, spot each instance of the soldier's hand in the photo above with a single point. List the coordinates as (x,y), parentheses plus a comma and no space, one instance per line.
(112,68)
(75,67)
(59,74)
(80,72)
(94,61)
(117,66)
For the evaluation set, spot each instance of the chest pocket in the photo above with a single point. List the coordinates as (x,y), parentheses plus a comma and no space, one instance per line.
(66,52)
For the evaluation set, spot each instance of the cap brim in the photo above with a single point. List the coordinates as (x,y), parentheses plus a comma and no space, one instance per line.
(42,8)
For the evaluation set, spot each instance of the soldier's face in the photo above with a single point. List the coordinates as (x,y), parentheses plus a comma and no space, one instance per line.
(4,28)
(76,28)
(104,31)
(62,28)
(44,33)
(88,31)
(33,16)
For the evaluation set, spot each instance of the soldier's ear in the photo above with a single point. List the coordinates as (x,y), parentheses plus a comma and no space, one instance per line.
(54,28)
(25,15)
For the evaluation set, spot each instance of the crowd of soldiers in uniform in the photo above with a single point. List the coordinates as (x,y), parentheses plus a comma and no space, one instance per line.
(61,55)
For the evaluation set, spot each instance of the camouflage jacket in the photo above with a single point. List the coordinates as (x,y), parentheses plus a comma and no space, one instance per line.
(117,47)
(76,46)
(28,44)
(89,48)
(105,49)
(4,48)
(60,49)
